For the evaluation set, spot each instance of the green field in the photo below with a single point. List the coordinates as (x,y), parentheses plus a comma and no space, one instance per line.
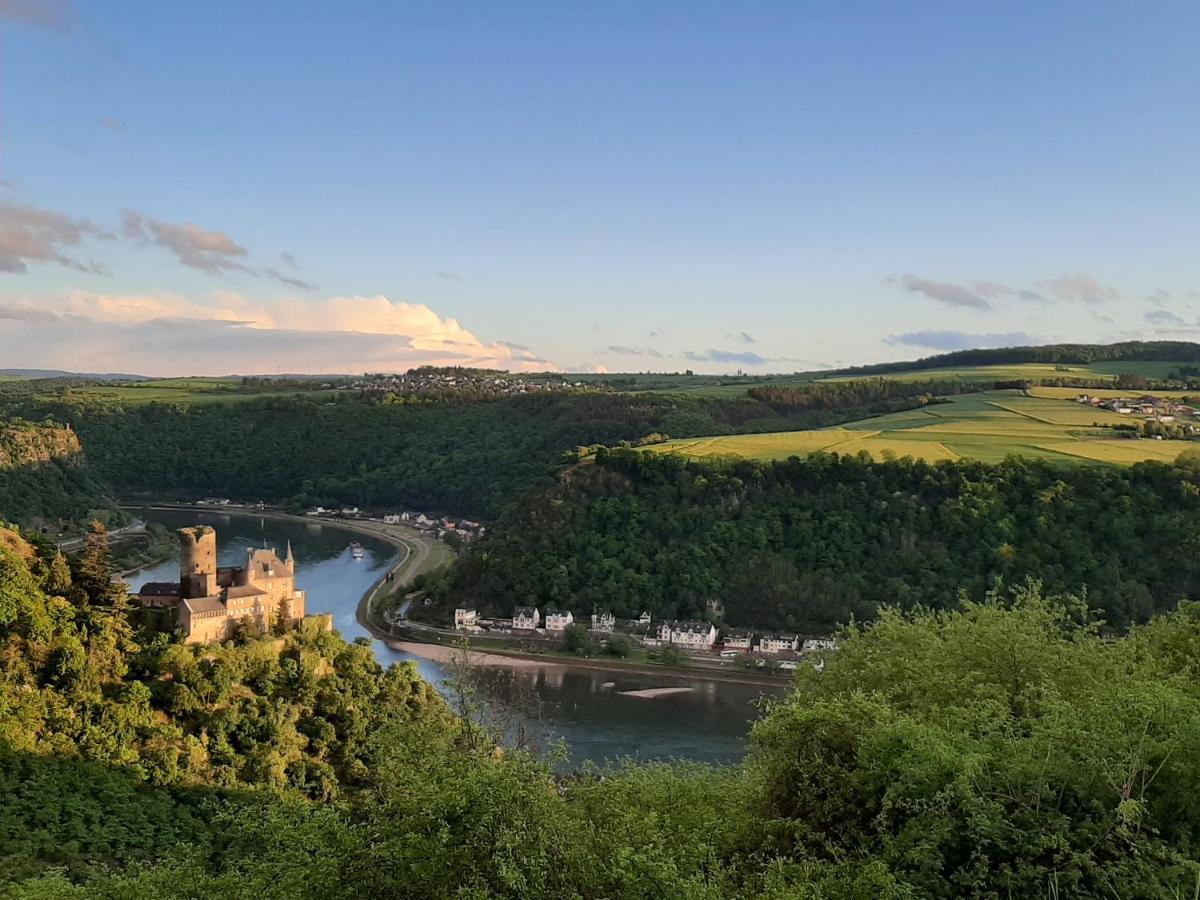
(986,426)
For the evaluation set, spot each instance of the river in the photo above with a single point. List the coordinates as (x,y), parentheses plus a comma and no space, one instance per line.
(591,710)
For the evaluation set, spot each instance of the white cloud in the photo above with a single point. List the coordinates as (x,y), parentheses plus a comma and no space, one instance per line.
(52,14)
(29,234)
(961,340)
(1081,288)
(945,292)
(168,334)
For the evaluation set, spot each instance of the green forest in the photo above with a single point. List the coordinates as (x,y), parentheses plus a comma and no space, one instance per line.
(1002,749)
(46,479)
(472,458)
(806,544)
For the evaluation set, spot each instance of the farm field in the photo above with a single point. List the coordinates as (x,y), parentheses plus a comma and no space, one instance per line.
(987,427)
(181,390)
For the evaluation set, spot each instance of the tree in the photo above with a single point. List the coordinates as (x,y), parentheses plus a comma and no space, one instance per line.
(578,640)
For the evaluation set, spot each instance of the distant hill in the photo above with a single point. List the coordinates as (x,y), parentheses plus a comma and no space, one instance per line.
(1066,354)
(59,373)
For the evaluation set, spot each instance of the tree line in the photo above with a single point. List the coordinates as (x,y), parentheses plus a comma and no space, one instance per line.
(1067,354)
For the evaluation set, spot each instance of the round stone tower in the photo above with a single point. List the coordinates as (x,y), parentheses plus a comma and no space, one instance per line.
(198,561)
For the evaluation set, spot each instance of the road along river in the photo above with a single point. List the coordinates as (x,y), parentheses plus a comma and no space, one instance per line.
(601,714)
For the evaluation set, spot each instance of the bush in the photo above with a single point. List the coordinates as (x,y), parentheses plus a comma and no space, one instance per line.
(620,647)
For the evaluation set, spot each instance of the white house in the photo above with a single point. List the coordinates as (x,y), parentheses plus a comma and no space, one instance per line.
(815,645)
(558,619)
(738,640)
(465,618)
(774,643)
(604,620)
(643,619)
(526,618)
(692,634)
(392,519)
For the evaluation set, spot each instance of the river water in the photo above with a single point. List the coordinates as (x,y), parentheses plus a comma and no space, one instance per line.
(588,709)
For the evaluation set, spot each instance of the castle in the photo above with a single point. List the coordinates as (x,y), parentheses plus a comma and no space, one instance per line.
(210,601)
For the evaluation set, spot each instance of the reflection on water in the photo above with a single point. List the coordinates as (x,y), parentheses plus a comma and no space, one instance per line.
(591,709)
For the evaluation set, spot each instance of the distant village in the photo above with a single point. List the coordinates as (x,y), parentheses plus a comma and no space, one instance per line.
(430,381)
(1160,410)
(698,638)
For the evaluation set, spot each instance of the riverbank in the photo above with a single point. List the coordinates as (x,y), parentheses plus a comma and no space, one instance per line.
(419,553)
(519,658)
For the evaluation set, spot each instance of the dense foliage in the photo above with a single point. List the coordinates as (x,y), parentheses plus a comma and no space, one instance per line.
(295,712)
(806,544)
(1004,750)
(469,457)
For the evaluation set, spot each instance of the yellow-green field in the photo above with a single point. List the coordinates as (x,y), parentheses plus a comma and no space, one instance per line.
(985,426)
(180,390)
(1069,393)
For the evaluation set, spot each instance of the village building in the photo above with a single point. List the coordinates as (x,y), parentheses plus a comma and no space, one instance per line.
(210,601)
(643,619)
(777,643)
(558,619)
(688,634)
(465,619)
(604,620)
(526,618)
(738,640)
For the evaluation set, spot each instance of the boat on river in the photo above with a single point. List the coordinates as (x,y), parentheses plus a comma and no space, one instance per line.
(356,549)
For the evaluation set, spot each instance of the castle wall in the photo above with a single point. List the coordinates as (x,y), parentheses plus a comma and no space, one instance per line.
(205,627)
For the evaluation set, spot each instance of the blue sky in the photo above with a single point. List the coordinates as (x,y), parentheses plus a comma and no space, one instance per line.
(238,187)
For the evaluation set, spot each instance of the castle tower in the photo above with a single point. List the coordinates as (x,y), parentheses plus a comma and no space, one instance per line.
(198,561)
(290,560)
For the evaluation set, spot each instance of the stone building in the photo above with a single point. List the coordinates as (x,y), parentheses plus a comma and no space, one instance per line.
(211,600)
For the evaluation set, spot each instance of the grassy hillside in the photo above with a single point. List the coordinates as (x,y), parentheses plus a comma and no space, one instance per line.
(1032,372)
(987,426)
